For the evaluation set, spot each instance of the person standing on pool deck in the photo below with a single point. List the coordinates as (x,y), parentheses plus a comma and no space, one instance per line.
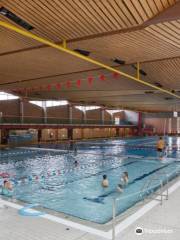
(160,147)
(105,182)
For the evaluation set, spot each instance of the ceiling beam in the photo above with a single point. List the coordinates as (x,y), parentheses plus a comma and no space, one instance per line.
(169,14)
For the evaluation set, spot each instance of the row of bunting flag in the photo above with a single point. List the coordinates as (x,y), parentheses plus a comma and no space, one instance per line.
(68,84)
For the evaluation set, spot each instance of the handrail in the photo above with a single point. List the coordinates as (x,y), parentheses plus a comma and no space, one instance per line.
(176,171)
(57,120)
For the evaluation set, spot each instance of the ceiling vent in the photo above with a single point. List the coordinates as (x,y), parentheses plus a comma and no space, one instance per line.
(119,61)
(82,52)
(168,98)
(5,12)
(158,84)
(148,92)
(142,72)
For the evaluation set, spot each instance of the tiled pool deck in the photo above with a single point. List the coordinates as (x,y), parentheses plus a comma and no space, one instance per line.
(160,218)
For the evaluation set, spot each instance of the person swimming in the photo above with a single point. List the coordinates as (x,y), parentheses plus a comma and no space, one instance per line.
(76,163)
(7,188)
(125,178)
(120,188)
(105,182)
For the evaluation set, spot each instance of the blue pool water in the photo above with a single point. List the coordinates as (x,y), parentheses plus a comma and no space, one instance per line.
(51,179)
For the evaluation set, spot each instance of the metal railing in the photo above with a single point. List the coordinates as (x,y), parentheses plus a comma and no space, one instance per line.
(149,190)
(9,119)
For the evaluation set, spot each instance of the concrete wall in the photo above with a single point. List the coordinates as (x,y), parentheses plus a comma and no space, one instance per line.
(10,107)
(94,114)
(161,125)
(32,110)
(58,112)
(107,116)
(77,114)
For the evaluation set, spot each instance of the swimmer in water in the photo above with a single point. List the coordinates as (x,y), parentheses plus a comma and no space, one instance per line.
(7,188)
(120,188)
(76,163)
(125,178)
(105,182)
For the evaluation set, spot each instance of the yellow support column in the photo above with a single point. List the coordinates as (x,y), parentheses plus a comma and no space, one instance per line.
(64,44)
(138,68)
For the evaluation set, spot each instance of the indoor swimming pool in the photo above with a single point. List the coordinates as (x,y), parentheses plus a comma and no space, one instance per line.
(53,180)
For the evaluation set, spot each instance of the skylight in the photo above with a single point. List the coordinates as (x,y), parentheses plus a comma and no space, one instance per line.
(113,111)
(49,103)
(7,96)
(87,108)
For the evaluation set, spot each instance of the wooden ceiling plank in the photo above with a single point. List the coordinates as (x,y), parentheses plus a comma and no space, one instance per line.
(146,6)
(28,14)
(161,36)
(175,35)
(130,6)
(60,20)
(164,3)
(141,10)
(165,32)
(84,13)
(93,14)
(110,14)
(17,37)
(153,6)
(76,17)
(166,44)
(101,14)
(122,7)
(159,5)
(171,2)
(173,27)
(53,20)
(120,14)
(92,18)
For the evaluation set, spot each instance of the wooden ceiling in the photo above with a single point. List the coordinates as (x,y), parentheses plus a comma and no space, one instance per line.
(145,31)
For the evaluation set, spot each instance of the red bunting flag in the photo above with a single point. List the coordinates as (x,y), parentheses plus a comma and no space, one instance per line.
(78,82)
(115,75)
(68,84)
(49,87)
(102,77)
(58,86)
(90,80)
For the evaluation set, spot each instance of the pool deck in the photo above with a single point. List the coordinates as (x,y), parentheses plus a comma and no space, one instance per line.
(160,218)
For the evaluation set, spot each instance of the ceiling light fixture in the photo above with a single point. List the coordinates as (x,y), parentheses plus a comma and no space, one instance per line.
(5,12)
(82,52)
(142,72)
(119,61)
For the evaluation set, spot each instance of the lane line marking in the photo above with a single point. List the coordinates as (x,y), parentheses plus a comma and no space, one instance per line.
(108,235)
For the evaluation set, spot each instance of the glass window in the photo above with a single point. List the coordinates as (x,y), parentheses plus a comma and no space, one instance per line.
(7,96)
(87,108)
(113,111)
(38,103)
(50,103)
